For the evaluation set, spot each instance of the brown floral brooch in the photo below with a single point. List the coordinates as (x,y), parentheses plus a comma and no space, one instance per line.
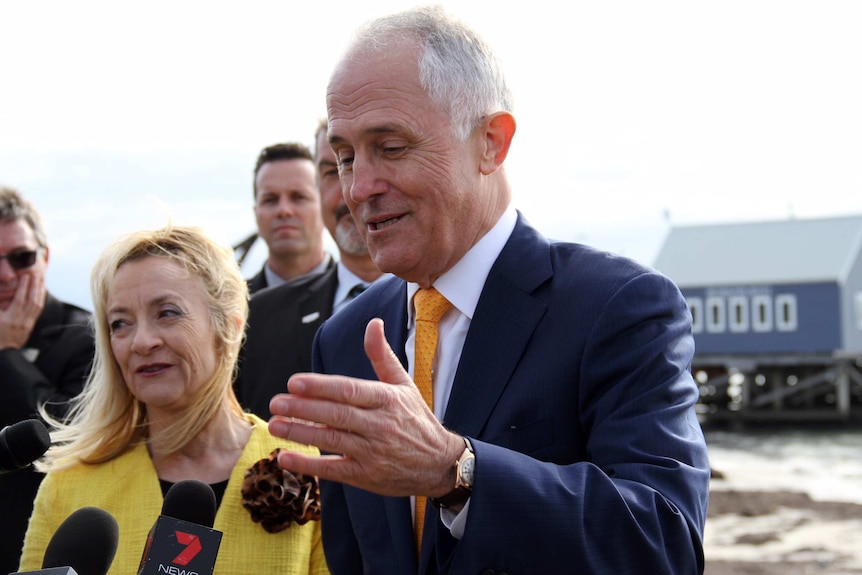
(276,497)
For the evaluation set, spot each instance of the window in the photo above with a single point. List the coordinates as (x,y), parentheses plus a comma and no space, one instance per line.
(715,315)
(695,306)
(738,313)
(761,313)
(785,312)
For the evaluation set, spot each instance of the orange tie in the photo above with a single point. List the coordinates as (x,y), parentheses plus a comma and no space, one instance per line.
(430,307)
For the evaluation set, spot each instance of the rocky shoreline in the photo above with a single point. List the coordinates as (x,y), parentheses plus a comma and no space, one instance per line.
(781,533)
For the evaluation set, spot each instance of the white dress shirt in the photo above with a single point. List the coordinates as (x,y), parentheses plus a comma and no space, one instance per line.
(461,285)
(347,280)
(273,279)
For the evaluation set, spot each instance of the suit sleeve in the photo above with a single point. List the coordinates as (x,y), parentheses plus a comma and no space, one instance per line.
(339,542)
(637,503)
(54,379)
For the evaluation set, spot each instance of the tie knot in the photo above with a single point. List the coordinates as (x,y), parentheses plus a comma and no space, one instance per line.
(355,291)
(430,305)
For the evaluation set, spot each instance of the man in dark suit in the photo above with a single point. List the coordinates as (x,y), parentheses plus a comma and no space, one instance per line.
(283,320)
(287,212)
(560,435)
(46,348)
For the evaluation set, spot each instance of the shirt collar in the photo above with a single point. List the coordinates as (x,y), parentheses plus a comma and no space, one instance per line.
(462,284)
(347,280)
(273,279)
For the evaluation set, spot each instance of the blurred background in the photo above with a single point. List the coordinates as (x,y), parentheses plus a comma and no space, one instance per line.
(633,118)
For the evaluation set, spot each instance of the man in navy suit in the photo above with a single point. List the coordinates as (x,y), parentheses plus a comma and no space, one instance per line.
(563,437)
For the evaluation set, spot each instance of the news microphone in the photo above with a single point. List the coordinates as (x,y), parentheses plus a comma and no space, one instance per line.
(182,540)
(84,544)
(22,443)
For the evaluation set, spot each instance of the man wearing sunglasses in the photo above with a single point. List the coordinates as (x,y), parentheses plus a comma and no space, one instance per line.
(45,353)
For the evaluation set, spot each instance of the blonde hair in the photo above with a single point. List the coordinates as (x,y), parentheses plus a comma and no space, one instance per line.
(106,420)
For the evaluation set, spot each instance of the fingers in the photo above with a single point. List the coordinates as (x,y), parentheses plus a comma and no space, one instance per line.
(308,464)
(36,294)
(18,320)
(386,364)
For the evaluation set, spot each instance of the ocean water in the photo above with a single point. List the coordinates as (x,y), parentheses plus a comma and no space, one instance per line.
(826,463)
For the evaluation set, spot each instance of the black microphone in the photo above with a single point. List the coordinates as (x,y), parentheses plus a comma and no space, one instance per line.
(182,541)
(84,544)
(22,443)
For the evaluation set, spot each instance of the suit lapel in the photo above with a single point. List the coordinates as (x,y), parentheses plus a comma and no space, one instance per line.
(315,306)
(504,321)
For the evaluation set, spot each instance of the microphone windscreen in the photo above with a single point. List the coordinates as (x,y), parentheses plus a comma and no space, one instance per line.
(86,541)
(23,443)
(191,500)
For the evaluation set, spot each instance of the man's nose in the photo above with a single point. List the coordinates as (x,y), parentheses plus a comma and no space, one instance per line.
(364,181)
(7,274)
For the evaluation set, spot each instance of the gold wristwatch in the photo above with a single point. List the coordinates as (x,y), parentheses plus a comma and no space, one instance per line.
(465,468)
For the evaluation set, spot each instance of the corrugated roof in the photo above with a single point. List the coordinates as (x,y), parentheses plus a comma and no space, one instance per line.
(783,251)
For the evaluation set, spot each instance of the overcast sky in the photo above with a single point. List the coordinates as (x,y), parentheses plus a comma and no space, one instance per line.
(632,116)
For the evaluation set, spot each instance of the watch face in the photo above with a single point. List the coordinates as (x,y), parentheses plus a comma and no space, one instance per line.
(468,467)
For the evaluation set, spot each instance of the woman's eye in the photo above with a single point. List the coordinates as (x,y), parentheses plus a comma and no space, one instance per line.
(170,312)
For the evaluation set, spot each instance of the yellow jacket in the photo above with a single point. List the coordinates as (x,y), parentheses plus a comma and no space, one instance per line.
(128,488)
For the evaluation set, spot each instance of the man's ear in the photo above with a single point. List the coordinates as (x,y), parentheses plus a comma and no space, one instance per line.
(499,129)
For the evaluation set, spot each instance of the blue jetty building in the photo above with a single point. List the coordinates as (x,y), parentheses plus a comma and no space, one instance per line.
(776,314)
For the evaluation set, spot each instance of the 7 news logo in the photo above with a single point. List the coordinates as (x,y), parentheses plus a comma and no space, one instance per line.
(177,547)
(192,548)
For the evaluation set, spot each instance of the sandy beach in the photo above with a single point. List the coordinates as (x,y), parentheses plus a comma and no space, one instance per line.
(785,505)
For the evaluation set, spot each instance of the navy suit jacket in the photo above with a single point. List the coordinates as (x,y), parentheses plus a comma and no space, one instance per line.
(574,388)
(282,321)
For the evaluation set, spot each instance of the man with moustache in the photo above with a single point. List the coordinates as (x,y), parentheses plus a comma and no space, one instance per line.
(545,409)
(287,211)
(283,320)
(46,349)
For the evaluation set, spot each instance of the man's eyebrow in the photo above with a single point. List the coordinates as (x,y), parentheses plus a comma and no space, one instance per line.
(382,129)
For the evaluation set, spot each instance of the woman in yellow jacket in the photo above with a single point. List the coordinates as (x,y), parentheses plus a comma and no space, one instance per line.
(158,408)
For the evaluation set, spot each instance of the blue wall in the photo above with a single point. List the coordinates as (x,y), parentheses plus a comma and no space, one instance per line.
(789,318)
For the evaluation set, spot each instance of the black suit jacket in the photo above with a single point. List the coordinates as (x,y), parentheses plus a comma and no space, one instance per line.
(258,281)
(62,344)
(282,322)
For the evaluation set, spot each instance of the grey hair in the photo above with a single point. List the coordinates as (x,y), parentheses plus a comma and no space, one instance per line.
(13,207)
(457,68)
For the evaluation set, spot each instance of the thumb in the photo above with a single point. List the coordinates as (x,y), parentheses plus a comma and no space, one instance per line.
(386,364)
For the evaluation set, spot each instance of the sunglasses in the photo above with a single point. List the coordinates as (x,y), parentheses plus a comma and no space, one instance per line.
(21,259)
